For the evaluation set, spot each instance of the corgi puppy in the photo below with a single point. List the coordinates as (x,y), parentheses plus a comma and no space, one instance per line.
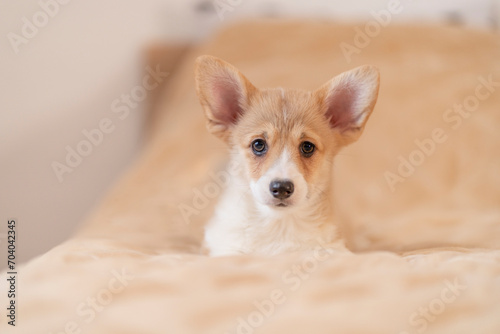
(284,142)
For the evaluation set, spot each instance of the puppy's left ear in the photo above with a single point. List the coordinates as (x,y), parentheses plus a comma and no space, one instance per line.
(348,100)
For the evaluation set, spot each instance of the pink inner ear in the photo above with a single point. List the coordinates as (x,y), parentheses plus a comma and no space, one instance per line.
(340,108)
(227,94)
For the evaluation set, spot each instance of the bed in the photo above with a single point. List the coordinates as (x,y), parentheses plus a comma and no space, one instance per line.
(417,197)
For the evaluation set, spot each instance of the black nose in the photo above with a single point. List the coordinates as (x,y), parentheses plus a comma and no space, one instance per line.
(281,189)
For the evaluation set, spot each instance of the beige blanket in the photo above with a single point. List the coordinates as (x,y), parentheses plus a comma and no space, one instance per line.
(418,198)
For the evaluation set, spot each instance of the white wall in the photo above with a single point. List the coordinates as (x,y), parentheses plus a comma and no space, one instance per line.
(89,53)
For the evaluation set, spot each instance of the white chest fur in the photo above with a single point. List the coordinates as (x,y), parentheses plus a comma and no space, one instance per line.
(241,226)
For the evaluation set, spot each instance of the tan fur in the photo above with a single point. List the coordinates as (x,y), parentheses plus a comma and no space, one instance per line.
(303,122)
(265,114)
(330,118)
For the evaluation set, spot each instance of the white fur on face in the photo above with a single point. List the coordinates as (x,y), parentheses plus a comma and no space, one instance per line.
(284,168)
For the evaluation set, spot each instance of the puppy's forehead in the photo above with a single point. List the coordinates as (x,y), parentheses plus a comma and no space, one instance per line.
(283,110)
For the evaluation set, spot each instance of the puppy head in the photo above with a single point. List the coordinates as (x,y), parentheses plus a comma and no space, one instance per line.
(285,139)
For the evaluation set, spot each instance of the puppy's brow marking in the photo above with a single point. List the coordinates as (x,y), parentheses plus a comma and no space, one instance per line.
(283,104)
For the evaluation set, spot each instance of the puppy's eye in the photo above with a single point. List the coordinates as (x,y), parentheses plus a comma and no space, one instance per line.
(259,147)
(307,149)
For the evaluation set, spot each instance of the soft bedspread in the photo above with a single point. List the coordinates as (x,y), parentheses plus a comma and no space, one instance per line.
(418,198)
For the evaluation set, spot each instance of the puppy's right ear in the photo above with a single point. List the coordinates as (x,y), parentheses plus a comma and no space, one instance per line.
(224,94)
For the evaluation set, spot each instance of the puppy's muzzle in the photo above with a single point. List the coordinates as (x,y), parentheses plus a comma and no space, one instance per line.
(281,189)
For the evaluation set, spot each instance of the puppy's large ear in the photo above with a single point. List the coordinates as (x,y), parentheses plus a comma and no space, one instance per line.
(348,100)
(224,93)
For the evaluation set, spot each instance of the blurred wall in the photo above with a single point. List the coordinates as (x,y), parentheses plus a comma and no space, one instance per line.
(58,82)
(63,64)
